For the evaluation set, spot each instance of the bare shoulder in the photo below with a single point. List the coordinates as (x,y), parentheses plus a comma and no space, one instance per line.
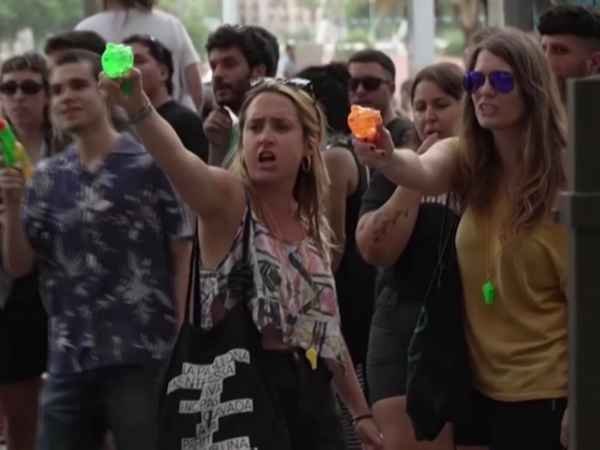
(338,156)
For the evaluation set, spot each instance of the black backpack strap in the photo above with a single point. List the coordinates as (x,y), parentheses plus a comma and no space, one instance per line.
(193,304)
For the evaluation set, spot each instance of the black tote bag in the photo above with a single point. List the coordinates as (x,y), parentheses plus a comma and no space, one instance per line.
(439,383)
(212,393)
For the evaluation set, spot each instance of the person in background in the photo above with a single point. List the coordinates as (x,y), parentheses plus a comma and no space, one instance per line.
(113,245)
(399,230)
(89,41)
(237,55)
(354,279)
(405,100)
(155,63)
(24,101)
(372,85)
(273,46)
(571,41)
(122,18)
(289,62)
(507,167)
(58,44)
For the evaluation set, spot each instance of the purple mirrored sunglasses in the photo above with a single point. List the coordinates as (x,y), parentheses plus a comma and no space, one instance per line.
(502,82)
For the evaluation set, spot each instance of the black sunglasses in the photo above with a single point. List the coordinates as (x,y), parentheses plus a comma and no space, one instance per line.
(502,82)
(368,83)
(301,84)
(28,87)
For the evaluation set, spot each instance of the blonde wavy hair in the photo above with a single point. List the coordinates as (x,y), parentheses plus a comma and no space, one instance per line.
(34,62)
(312,183)
(541,171)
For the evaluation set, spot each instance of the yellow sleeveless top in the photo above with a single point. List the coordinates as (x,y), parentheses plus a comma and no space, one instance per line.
(517,344)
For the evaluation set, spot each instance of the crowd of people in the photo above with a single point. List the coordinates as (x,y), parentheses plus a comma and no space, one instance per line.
(345,241)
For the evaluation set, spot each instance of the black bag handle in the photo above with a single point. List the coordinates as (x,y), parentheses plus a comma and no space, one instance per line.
(193,304)
(445,236)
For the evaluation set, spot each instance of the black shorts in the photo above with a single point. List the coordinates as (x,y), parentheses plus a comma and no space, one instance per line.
(307,400)
(23,340)
(392,328)
(526,425)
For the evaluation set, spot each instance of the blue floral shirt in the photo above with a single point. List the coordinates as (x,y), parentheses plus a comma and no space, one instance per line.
(102,238)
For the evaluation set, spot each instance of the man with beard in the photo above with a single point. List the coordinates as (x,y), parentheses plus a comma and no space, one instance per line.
(236,54)
(571,40)
(373,86)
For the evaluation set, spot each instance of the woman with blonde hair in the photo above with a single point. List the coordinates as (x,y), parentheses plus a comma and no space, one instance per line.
(507,168)
(277,187)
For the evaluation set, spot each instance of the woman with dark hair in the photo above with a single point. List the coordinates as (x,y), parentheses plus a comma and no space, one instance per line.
(400,231)
(354,278)
(120,19)
(23,320)
(507,167)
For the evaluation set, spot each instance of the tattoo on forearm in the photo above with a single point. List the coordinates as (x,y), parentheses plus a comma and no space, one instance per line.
(384,220)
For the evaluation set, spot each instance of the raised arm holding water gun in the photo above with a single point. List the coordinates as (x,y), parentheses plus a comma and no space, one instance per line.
(13,153)
(14,171)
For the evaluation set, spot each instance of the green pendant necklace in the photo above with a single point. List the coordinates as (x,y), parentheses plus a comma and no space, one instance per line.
(488,289)
(489,292)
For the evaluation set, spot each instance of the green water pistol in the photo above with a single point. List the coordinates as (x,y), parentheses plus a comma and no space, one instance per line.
(117,59)
(13,153)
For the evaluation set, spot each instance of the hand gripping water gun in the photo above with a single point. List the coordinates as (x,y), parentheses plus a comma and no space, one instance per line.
(13,153)
(117,59)
(363,122)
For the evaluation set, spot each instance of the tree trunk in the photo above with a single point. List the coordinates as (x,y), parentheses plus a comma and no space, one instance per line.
(466,15)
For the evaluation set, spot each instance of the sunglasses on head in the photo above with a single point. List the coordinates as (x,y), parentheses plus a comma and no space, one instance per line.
(502,82)
(368,83)
(301,84)
(29,87)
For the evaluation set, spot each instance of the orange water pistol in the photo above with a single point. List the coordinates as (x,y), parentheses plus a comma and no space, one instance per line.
(363,123)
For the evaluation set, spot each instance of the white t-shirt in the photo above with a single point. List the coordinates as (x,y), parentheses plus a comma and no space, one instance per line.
(115,26)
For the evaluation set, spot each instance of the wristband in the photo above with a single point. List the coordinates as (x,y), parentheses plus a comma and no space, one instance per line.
(359,418)
(141,114)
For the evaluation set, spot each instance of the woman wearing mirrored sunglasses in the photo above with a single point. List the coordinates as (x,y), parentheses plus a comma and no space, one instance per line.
(23,320)
(507,168)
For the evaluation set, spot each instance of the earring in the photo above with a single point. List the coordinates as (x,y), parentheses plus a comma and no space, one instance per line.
(306,163)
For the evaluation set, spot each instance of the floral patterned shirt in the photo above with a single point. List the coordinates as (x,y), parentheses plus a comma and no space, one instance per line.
(102,238)
(294,291)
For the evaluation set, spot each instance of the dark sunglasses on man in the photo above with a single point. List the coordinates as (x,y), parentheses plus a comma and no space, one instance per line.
(28,87)
(368,83)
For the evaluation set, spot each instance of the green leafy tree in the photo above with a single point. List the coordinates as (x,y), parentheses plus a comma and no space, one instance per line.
(42,16)
(383,8)
(198,32)
(466,15)
(90,7)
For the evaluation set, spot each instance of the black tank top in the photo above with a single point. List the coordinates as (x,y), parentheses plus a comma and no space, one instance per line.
(354,279)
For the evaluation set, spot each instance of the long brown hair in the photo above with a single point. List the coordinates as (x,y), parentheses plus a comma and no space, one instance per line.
(541,171)
(312,183)
(34,62)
